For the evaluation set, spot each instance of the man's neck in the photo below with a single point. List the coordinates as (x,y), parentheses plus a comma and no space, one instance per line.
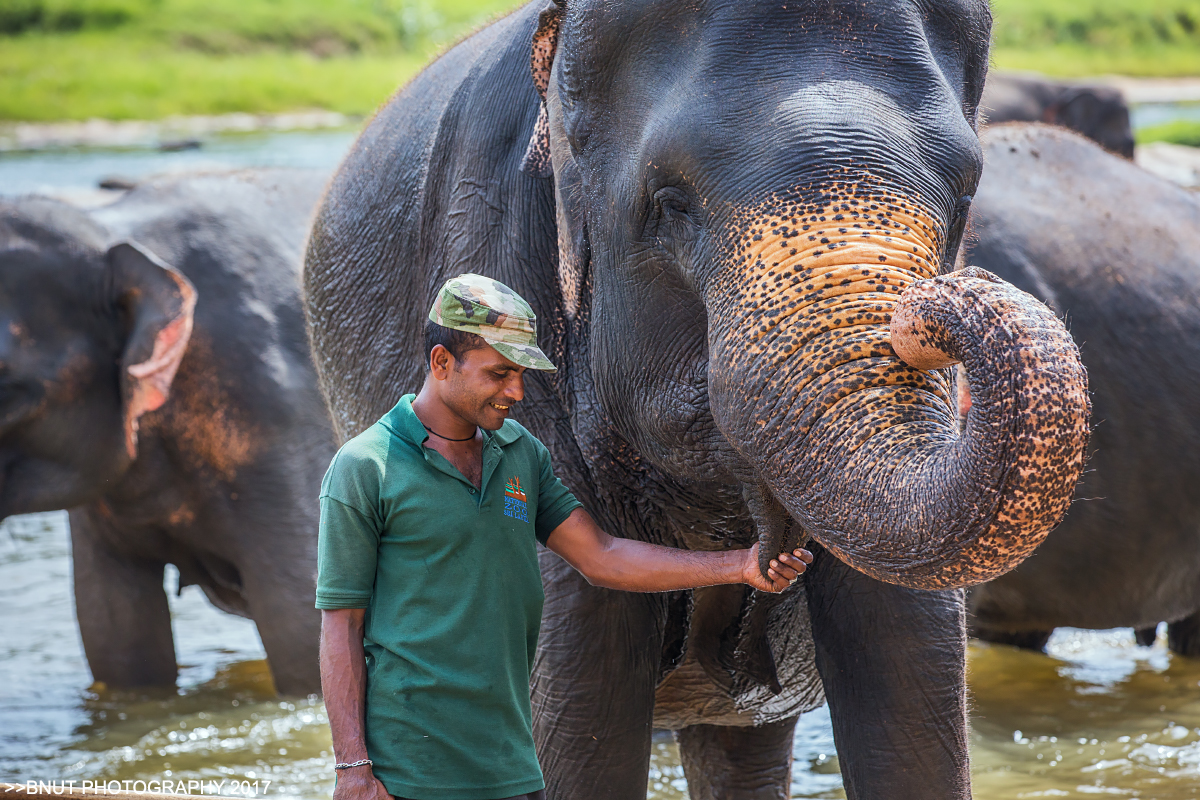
(439,419)
(445,427)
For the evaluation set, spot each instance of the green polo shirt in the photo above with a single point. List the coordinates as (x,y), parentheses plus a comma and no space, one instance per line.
(448,575)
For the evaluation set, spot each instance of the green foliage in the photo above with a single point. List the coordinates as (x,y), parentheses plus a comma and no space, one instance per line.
(74,59)
(324,27)
(1087,37)
(1179,132)
(19,16)
(145,59)
(1032,24)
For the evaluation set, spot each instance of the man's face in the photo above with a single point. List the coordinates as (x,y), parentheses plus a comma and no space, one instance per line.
(482,386)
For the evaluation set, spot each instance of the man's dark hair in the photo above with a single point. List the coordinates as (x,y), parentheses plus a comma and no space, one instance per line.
(459,343)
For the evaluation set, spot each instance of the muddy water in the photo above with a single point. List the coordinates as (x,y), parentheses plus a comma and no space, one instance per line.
(1098,717)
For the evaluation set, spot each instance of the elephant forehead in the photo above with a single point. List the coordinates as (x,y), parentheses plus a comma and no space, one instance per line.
(840,105)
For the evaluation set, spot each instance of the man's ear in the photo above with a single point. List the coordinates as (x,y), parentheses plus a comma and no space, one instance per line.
(158,304)
(541,59)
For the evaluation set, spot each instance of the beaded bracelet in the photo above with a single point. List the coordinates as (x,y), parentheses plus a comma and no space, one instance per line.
(364,763)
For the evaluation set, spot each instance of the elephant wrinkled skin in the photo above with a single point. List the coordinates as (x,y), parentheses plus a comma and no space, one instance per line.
(155,380)
(716,209)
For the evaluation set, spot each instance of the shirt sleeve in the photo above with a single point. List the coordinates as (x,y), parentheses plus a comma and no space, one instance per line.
(555,501)
(348,537)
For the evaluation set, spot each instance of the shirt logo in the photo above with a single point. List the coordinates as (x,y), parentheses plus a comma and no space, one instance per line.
(516,504)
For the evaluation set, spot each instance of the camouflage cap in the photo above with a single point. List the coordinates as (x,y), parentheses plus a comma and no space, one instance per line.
(480,305)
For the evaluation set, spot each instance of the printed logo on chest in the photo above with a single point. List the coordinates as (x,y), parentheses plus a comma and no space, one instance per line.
(516,505)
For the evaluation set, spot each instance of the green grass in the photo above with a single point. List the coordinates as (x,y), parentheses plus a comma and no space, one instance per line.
(147,59)
(143,59)
(1179,132)
(1071,38)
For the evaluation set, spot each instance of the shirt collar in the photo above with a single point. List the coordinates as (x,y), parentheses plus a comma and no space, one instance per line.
(403,422)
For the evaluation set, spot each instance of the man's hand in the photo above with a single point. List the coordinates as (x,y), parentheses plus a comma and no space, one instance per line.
(782,573)
(359,783)
(633,566)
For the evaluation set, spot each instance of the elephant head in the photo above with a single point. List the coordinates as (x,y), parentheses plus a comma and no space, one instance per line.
(91,336)
(757,205)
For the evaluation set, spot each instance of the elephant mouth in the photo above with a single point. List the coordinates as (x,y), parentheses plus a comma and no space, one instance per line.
(861,448)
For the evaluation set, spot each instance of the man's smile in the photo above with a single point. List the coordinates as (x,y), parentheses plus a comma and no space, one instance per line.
(499,407)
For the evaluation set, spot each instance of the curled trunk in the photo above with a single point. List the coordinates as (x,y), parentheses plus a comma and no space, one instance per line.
(827,338)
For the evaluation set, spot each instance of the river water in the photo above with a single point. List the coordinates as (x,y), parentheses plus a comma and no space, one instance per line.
(1096,717)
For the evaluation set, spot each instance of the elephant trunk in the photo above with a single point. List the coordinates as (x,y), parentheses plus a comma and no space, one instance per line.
(827,337)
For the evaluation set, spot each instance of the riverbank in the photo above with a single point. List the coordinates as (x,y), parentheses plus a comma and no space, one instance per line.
(182,132)
(172,133)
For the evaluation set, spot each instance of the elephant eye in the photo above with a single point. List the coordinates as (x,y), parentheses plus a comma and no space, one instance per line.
(670,204)
(958,226)
(963,207)
(671,201)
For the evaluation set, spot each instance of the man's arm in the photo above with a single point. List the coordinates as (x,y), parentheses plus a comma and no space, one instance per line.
(344,684)
(635,566)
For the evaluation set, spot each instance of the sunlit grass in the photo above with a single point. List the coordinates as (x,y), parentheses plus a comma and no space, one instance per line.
(1077,61)
(1089,37)
(1179,132)
(122,59)
(165,57)
(86,78)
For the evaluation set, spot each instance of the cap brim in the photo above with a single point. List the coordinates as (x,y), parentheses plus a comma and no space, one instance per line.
(523,355)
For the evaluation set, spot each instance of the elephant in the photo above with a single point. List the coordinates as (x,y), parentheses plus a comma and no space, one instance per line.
(157,383)
(1098,112)
(1116,250)
(732,219)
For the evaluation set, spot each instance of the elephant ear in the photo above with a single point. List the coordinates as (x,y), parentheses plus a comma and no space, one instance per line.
(158,304)
(574,250)
(541,59)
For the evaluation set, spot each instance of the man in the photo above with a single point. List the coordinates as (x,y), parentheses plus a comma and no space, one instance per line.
(428,575)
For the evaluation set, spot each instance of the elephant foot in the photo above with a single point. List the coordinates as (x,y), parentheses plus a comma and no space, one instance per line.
(1026,640)
(1183,636)
(1146,636)
(730,763)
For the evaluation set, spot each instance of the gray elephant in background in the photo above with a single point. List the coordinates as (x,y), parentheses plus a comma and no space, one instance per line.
(1115,250)
(1098,112)
(155,380)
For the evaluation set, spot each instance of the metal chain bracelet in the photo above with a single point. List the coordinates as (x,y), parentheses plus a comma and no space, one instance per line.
(366,762)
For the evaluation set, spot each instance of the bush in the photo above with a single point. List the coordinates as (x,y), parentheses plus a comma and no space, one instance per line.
(19,16)
(1025,24)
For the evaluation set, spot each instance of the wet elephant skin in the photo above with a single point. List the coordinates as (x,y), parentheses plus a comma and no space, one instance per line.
(716,209)
(1115,250)
(157,383)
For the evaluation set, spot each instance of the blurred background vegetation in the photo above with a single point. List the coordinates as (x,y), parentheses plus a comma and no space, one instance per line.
(147,59)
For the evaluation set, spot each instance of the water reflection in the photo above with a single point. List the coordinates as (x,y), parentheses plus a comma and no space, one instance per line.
(1099,716)
(70,170)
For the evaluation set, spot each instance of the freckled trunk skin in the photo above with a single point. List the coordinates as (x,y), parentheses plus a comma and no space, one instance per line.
(863,449)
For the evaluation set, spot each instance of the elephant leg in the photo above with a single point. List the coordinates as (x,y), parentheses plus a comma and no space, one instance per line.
(594,677)
(290,628)
(124,619)
(1026,640)
(726,763)
(893,663)
(1183,636)
(1146,637)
